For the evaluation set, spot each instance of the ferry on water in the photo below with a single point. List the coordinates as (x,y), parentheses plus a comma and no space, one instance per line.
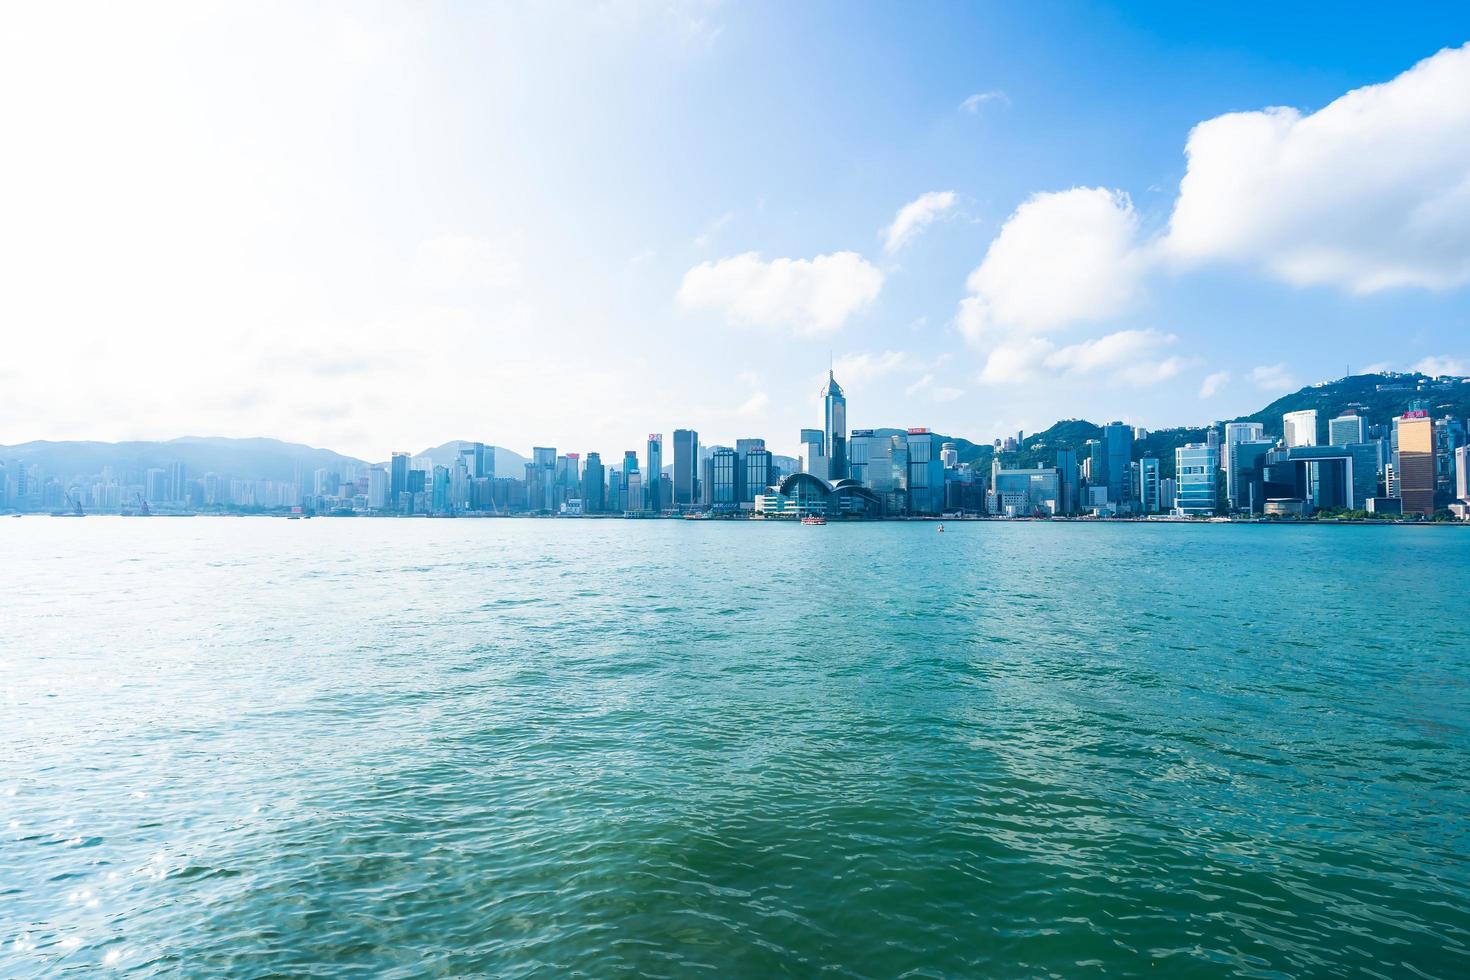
(813,519)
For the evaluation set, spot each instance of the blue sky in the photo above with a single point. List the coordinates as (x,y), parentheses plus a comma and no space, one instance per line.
(377,227)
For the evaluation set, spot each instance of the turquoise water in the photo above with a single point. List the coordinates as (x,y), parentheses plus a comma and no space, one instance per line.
(541,748)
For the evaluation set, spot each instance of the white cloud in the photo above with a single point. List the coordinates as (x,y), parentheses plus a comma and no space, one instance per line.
(1127,356)
(937,393)
(1435,366)
(1368,193)
(459,261)
(809,296)
(856,370)
(1213,384)
(914,217)
(1274,377)
(755,404)
(1016,362)
(1060,257)
(973,103)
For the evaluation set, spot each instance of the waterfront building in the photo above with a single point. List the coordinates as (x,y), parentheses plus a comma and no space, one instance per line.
(1449,436)
(654,477)
(1414,462)
(1069,491)
(594,485)
(377,489)
(834,429)
(1195,466)
(617,494)
(178,486)
(1025,493)
(397,476)
(1235,434)
(1346,430)
(1117,453)
(1299,428)
(859,445)
(925,472)
(155,485)
(686,468)
(948,455)
(813,448)
(1168,493)
(541,479)
(1148,484)
(724,477)
(1247,460)
(1462,474)
(634,495)
(756,475)
(1331,477)
(745,491)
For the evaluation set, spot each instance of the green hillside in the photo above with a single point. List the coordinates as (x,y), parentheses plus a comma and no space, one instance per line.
(1377,397)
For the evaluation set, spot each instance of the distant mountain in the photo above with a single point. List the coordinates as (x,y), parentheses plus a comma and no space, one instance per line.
(1377,397)
(243,459)
(507,463)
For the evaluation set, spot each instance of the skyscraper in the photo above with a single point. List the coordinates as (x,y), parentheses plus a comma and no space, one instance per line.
(757,475)
(541,479)
(813,447)
(1148,485)
(1415,462)
(1117,453)
(654,480)
(834,429)
(1235,434)
(724,463)
(1069,492)
(1195,466)
(397,477)
(1462,474)
(745,491)
(594,487)
(686,468)
(1299,428)
(1346,430)
(177,483)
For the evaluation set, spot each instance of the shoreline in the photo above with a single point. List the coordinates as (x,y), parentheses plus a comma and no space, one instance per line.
(1104,521)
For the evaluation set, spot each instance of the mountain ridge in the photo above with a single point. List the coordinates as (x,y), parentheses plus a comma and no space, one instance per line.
(1378,397)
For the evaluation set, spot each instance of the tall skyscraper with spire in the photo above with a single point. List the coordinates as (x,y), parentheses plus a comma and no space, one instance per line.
(834,429)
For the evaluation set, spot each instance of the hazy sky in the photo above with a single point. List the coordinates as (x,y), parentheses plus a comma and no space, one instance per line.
(378,227)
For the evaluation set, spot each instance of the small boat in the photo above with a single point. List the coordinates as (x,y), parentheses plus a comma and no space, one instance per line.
(813,519)
(941,528)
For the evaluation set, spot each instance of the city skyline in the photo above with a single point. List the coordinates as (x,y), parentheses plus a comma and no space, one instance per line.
(682,218)
(1355,462)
